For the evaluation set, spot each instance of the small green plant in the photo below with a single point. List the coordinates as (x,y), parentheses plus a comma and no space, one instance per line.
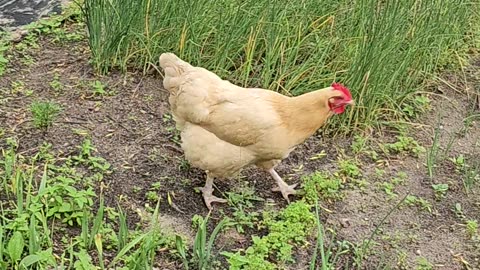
(202,249)
(400,178)
(18,87)
(285,229)
(152,196)
(331,255)
(470,172)
(440,190)
(459,162)
(472,228)
(55,84)
(321,185)
(405,144)
(423,204)
(379,172)
(360,146)
(349,168)
(5,46)
(423,264)
(44,113)
(471,176)
(458,210)
(241,202)
(99,89)
(65,201)
(418,104)
(183,165)
(86,157)
(389,188)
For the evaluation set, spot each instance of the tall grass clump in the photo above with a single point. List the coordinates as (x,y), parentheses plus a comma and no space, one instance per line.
(383,50)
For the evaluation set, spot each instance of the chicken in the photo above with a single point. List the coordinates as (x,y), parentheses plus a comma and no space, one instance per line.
(225,128)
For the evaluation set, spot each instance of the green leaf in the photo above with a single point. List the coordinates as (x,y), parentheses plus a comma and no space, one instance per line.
(65,207)
(3,60)
(15,246)
(29,260)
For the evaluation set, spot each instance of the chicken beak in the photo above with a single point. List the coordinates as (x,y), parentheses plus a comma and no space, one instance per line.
(350,102)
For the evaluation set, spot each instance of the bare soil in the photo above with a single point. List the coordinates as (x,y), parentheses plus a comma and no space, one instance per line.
(132,130)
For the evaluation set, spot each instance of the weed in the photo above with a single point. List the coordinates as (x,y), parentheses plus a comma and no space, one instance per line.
(18,87)
(399,179)
(423,264)
(29,43)
(415,106)
(86,157)
(459,211)
(471,228)
(285,229)
(55,84)
(459,162)
(440,190)
(60,195)
(389,188)
(152,196)
(240,203)
(202,250)
(321,185)
(184,165)
(5,46)
(471,176)
(329,256)
(349,168)
(99,89)
(156,186)
(379,172)
(470,173)
(360,146)
(44,113)
(402,259)
(405,144)
(412,200)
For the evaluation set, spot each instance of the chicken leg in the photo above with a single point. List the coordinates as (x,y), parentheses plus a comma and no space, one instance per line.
(283,187)
(207,191)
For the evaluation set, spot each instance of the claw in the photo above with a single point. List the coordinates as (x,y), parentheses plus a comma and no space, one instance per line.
(207,191)
(286,190)
(209,199)
(282,186)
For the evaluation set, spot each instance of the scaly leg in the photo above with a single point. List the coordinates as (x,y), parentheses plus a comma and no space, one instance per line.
(282,186)
(207,191)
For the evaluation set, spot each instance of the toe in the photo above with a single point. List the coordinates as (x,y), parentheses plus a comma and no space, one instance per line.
(211,199)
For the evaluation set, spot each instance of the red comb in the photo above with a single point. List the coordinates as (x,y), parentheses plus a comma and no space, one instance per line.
(340,87)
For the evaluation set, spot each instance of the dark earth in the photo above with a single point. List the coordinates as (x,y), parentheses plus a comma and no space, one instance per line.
(132,129)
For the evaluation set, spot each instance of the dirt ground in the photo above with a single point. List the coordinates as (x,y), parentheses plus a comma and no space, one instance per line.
(131,128)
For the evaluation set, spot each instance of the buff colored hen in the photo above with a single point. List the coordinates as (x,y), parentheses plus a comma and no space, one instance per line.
(225,128)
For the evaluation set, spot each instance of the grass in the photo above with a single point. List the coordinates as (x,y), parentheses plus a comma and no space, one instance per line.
(47,197)
(44,113)
(382,51)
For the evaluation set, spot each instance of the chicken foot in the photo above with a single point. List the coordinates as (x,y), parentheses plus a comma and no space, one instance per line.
(207,191)
(283,187)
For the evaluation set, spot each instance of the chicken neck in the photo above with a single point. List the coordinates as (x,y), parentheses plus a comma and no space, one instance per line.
(305,114)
